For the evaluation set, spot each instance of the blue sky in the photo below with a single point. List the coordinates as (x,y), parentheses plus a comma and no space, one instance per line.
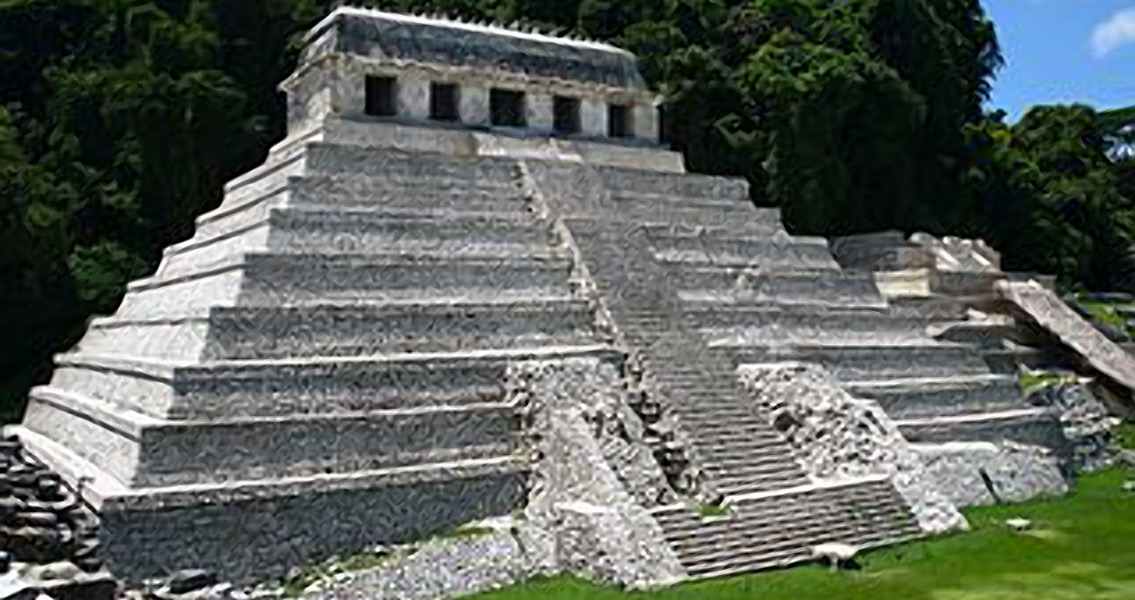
(1064,51)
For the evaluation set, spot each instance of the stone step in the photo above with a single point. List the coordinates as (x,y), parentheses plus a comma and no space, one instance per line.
(865,361)
(149,531)
(742,462)
(1038,426)
(941,396)
(740,481)
(1010,361)
(939,308)
(332,192)
(964,283)
(802,253)
(780,528)
(651,213)
(777,258)
(733,285)
(981,334)
(397,166)
(314,386)
(310,229)
(288,228)
(242,449)
(757,223)
(355,329)
(798,320)
(380,170)
(346,328)
(261,278)
(291,277)
(660,183)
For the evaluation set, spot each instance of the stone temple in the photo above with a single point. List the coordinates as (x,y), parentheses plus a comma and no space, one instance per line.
(471,282)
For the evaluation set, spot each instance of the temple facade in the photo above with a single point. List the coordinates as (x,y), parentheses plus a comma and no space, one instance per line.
(470,282)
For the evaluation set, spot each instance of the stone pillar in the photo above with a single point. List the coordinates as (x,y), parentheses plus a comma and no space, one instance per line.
(539,112)
(473,104)
(593,117)
(644,122)
(413,98)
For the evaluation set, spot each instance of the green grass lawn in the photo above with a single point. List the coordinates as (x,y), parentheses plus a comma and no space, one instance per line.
(1081,547)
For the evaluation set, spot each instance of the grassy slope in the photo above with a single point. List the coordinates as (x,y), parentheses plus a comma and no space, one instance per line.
(1082,546)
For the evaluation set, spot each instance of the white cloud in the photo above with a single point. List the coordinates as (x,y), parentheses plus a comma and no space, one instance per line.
(1117,31)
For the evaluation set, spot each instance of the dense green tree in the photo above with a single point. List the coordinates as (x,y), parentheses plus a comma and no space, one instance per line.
(1053,200)
(121,121)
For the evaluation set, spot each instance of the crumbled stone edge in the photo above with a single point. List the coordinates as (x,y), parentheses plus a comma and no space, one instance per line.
(590,467)
(835,436)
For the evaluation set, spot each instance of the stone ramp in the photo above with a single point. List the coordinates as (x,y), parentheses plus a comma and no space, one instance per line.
(1047,310)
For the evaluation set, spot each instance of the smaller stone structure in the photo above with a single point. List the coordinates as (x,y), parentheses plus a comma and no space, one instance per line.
(449,86)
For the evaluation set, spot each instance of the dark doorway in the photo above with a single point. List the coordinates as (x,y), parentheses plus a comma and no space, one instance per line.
(618,121)
(443,102)
(506,108)
(565,115)
(381,96)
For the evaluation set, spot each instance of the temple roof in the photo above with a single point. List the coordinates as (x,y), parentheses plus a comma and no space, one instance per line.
(417,39)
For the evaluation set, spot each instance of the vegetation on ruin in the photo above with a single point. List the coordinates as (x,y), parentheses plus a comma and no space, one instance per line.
(711,511)
(1079,547)
(120,120)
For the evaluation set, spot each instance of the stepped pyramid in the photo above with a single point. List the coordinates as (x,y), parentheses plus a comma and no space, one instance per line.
(337,358)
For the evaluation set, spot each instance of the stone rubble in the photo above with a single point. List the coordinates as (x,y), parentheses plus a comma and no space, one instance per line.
(837,436)
(984,473)
(584,514)
(41,520)
(1087,424)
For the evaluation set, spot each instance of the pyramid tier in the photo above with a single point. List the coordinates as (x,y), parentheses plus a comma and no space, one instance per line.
(348,328)
(280,278)
(924,397)
(141,451)
(688,186)
(776,323)
(1039,426)
(281,387)
(743,250)
(249,530)
(744,285)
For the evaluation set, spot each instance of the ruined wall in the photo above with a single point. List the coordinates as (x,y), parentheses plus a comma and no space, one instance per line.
(592,474)
(836,437)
